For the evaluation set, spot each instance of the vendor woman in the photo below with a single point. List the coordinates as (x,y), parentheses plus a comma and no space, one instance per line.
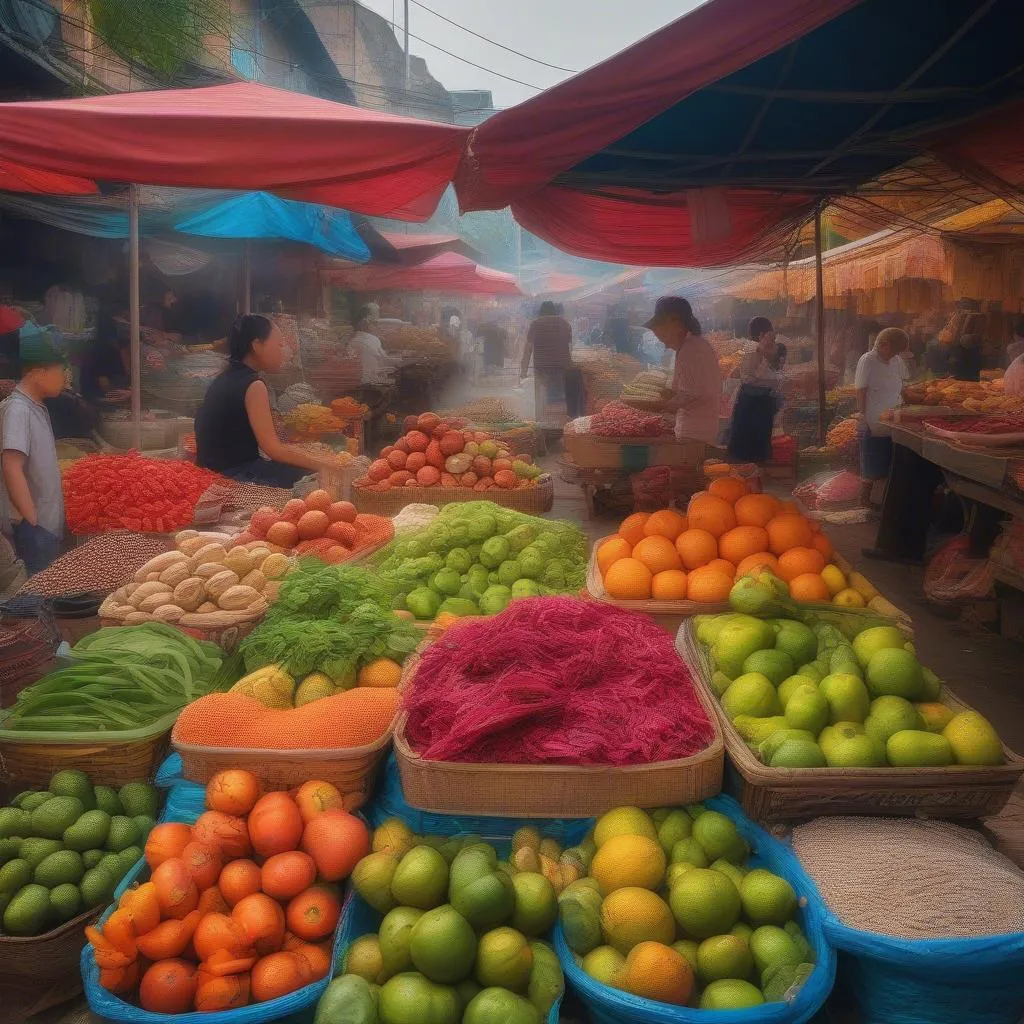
(234,424)
(758,400)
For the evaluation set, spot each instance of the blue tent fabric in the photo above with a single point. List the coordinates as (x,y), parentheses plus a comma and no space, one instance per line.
(256,215)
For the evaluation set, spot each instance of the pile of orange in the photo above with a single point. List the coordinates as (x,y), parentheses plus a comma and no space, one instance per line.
(240,907)
(727,532)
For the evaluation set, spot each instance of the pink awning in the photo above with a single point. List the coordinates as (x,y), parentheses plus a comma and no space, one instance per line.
(15,177)
(415,248)
(242,136)
(449,273)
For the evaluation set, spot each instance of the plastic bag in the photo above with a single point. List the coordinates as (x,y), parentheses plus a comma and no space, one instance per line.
(610,1006)
(953,575)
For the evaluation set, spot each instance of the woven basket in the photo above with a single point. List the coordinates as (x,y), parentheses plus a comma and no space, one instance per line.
(352,770)
(155,434)
(111,759)
(534,500)
(40,972)
(554,791)
(794,794)
(669,615)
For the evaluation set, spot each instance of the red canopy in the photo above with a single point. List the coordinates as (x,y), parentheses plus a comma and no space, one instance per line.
(242,136)
(520,150)
(448,273)
(15,177)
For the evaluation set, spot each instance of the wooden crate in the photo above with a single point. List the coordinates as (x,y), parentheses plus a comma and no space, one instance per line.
(591,452)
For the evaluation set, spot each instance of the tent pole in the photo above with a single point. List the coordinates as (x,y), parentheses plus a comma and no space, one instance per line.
(133,307)
(246,278)
(819,316)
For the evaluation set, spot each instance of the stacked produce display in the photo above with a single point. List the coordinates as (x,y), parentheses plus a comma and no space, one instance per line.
(64,849)
(986,396)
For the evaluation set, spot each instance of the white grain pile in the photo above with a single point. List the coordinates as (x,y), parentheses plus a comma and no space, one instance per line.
(911,879)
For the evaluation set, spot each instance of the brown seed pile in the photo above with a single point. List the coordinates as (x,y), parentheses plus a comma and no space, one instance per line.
(101,565)
(911,879)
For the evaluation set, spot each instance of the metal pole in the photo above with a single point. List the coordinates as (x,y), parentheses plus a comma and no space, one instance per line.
(246,278)
(405,23)
(819,316)
(133,307)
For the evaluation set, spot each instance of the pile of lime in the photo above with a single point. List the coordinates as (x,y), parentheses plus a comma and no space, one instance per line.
(64,850)
(670,910)
(818,694)
(476,557)
(459,940)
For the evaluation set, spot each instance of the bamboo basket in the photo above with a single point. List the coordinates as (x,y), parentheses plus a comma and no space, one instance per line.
(353,770)
(795,794)
(669,615)
(554,791)
(534,500)
(111,758)
(42,971)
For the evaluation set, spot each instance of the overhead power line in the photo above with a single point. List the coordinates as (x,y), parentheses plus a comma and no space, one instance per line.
(493,42)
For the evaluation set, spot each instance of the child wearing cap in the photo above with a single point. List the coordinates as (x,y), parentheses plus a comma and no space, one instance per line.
(31,500)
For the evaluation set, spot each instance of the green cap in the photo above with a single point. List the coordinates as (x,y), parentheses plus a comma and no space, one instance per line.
(37,346)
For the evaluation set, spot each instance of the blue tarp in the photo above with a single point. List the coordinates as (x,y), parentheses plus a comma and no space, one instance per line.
(256,215)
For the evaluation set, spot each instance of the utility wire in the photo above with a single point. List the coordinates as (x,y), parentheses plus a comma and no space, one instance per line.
(493,42)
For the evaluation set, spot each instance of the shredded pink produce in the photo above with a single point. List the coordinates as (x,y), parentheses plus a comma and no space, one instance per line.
(555,680)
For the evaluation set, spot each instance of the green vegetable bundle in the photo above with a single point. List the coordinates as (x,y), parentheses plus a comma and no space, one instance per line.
(121,678)
(477,556)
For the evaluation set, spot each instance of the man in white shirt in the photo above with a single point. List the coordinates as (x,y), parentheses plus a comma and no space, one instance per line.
(364,343)
(879,381)
(696,381)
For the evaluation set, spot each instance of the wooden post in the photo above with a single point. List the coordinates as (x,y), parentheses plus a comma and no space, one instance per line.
(133,307)
(819,309)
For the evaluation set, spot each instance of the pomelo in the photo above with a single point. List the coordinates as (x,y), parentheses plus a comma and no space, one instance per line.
(895,673)
(847,697)
(442,945)
(730,994)
(889,715)
(630,821)
(877,638)
(751,694)
(973,740)
(767,898)
(724,956)
(915,748)
(774,664)
(705,903)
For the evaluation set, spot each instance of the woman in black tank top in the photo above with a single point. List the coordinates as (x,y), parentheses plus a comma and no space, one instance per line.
(234,423)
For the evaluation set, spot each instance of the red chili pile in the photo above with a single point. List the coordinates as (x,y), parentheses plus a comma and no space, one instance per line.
(131,492)
(980,424)
(618,420)
(549,681)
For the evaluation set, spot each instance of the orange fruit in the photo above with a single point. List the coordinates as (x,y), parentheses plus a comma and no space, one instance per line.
(732,488)
(337,841)
(722,565)
(708,586)
(756,509)
(315,797)
(275,825)
(261,922)
(237,880)
(696,548)
(285,875)
(628,580)
(611,551)
(218,931)
(821,543)
(168,986)
(788,531)
(167,840)
(808,587)
(741,542)
(654,971)
(708,512)
(669,585)
(632,527)
(276,975)
(763,559)
(658,553)
(313,914)
(799,561)
(666,522)
(233,791)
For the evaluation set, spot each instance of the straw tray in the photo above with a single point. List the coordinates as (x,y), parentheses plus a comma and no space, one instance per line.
(589,451)
(352,770)
(669,615)
(42,971)
(534,500)
(553,791)
(112,758)
(794,794)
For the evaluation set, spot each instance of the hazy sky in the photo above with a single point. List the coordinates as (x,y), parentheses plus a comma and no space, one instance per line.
(573,34)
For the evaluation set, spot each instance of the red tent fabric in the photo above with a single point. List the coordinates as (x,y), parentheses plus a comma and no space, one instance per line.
(412,249)
(518,151)
(15,177)
(242,136)
(448,273)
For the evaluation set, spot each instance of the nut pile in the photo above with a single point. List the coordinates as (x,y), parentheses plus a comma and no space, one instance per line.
(200,585)
(100,565)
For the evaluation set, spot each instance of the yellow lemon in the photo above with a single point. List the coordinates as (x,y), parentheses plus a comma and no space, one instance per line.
(848,598)
(834,579)
(628,861)
(631,915)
